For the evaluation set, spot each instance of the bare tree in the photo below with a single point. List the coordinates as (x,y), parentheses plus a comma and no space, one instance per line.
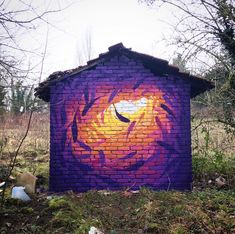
(12,163)
(205,31)
(19,18)
(203,26)
(85,48)
(14,21)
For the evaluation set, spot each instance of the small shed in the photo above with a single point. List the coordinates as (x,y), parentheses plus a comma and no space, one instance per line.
(121,121)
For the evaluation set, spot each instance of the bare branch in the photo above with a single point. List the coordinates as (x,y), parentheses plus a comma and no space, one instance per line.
(12,165)
(212,16)
(188,11)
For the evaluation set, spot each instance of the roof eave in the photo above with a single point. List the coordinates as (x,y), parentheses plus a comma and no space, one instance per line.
(158,67)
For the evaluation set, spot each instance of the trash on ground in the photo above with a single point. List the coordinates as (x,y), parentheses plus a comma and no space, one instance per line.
(1,185)
(105,192)
(127,194)
(220,181)
(135,191)
(19,193)
(49,197)
(28,181)
(8,224)
(94,230)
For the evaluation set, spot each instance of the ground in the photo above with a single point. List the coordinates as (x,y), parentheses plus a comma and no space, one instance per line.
(209,208)
(209,211)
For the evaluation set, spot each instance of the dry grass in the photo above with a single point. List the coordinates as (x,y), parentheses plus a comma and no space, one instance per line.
(207,211)
(206,133)
(13,128)
(207,138)
(34,154)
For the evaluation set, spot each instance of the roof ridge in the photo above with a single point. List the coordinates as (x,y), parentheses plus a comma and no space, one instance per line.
(159,67)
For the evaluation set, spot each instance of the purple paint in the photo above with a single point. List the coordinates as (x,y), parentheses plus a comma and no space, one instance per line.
(98,153)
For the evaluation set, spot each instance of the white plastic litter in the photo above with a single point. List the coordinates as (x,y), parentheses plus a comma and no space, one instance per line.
(94,230)
(220,181)
(1,185)
(19,193)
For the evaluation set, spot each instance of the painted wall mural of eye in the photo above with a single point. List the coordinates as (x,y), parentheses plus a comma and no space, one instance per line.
(121,121)
(120,134)
(121,128)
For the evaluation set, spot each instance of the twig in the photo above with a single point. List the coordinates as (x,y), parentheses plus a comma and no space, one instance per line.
(15,157)
(12,166)
(128,188)
(169,183)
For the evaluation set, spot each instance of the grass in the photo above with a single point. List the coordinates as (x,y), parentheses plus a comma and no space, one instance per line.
(213,154)
(34,154)
(208,209)
(206,169)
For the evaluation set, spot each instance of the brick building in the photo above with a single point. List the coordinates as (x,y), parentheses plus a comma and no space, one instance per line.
(123,120)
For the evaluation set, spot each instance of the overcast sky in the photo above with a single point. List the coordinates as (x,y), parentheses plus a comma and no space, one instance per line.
(106,22)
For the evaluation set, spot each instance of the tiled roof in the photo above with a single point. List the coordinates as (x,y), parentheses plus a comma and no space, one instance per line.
(157,66)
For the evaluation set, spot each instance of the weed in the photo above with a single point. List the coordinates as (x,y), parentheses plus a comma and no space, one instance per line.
(210,161)
(208,211)
(26,210)
(58,202)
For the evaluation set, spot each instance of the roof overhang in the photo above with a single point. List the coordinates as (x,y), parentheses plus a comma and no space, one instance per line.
(158,67)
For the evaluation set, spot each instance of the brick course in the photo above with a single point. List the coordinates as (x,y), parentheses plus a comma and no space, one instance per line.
(118,126)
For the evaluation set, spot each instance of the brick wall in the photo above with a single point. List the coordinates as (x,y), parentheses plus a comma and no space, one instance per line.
(119,126)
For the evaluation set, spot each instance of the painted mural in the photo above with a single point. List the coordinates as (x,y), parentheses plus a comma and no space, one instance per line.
(120,129)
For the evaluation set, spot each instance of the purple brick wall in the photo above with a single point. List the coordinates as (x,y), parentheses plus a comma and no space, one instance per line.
(118,126)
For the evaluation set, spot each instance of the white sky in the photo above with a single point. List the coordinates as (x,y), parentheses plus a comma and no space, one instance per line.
(107,22)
